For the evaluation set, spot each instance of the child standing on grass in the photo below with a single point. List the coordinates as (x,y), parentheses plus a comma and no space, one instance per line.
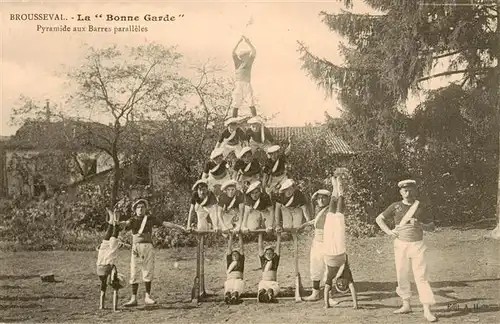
(234,284)
(142,260)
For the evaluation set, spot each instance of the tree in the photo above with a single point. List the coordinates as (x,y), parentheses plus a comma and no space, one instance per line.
(400,47)
(119,85)
(187,132)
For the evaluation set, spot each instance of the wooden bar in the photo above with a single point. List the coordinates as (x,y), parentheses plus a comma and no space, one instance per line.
(202,266)
(260,230)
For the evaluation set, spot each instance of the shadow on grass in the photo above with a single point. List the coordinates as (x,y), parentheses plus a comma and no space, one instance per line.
(482,224)
(17,277)
(366,286)
(32,298)
(11,287)
(171,305)
(20,306)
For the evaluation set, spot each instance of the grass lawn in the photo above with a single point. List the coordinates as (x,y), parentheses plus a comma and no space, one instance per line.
(464,269)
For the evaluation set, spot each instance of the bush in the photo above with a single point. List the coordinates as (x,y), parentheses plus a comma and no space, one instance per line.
(458,183)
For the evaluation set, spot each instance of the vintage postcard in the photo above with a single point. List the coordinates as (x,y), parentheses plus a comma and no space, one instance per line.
(249,161)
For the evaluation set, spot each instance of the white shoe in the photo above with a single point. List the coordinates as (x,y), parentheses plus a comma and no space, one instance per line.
(131,303)
(149,301)
(314,296)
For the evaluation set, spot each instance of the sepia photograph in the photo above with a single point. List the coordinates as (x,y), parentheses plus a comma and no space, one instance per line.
(167,161)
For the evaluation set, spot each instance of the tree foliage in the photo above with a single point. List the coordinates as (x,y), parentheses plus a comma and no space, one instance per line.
(387,56)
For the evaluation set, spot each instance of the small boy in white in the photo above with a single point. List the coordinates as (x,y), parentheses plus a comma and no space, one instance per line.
(204,204)
(258,208)
(143,255)
(216,171)
(259,136)
(291,205)
(269,287)
(243,92)
(247,167)
(231,206)
(232,138)
(275,168)
(234,285)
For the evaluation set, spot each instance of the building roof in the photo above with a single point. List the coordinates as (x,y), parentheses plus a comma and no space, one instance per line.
(337,145)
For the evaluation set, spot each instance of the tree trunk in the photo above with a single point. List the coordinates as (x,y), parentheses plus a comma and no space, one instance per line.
(496,232)
(116,182)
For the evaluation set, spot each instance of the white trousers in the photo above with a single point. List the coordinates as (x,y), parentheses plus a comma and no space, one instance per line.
(231,218)
(203,213)
(255,218)
(108,251)
(291,217)
(411,255)
(142,261)
(231,285)
(242,93)
(317,262)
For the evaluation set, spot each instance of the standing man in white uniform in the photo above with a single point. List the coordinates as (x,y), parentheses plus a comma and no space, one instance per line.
(411,219)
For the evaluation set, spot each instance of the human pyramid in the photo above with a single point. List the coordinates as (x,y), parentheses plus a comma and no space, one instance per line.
(236,194)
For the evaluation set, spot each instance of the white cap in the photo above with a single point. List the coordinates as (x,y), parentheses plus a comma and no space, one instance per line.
(406,183)
(228,183)
(242,152)
(216,152)
(273,148)
(197,183)
(323,192)
(253,186)
(232,120)
(269,247)
(287,184)
(254,120)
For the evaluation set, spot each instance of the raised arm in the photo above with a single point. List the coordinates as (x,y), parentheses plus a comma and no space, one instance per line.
(229,245)
(277,215)
(236,47)
(261,246)
(305,211)
(278,243)
(191,212)
(242,251)
(241,209)
(253,50)
(246,213)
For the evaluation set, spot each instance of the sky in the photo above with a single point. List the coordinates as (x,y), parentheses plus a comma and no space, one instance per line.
(31,62)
